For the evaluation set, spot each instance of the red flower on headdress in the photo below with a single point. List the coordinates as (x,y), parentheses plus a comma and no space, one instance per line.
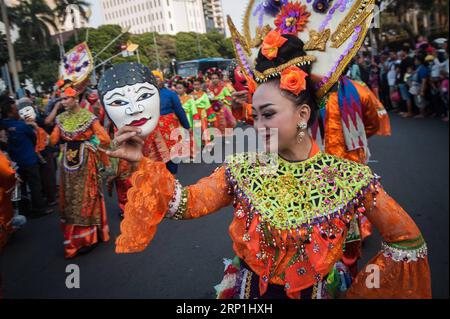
(70,92)
(292,19)
(272,42)
(293,79)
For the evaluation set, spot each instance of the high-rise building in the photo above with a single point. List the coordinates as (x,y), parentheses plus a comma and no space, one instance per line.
(162,16)
(214,15)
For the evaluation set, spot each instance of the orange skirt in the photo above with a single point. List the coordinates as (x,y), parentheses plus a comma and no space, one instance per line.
(82,207)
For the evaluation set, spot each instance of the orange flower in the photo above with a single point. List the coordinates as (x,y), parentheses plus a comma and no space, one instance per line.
(60,83)
(293,79)
(272,42)
(70,92)
(251,84)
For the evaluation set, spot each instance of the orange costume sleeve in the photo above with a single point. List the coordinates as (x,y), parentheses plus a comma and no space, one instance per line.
(100,132)
(402,264)
(105,141)
(55,136)
(42,140)
(156,194)
(7,181)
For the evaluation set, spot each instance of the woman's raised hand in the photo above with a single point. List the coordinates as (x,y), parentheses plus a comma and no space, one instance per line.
(127,145)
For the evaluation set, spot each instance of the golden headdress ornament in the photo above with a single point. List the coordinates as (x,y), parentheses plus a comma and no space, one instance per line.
(332,32)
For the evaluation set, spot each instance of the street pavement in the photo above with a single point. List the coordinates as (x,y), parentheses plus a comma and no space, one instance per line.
(185,260)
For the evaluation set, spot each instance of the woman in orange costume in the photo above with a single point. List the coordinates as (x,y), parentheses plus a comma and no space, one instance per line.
(7,182)
(220,97)
(82,207)
(292,207)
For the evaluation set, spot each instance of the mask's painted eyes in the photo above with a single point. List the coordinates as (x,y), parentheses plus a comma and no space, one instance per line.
(119,103)
(145,96)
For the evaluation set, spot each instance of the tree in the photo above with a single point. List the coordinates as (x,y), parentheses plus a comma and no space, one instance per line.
(34,20)
(62,12)
(81,5)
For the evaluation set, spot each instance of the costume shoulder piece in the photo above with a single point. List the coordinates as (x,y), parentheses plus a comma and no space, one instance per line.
(332,31)
(296,195)
(73,124)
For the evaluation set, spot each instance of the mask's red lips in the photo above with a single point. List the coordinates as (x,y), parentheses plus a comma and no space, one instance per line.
(140,122)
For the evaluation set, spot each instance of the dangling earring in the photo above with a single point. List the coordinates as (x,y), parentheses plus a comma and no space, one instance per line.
(302,126)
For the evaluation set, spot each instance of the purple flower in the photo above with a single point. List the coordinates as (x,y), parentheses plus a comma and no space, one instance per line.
(273,7)
(321,6)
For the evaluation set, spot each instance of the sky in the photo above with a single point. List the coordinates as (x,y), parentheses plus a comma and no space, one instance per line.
(234,8)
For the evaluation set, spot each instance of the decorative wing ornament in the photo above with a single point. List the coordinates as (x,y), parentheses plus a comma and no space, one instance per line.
(332,31)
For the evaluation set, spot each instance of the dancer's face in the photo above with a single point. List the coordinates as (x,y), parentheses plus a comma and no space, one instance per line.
(69,102)
(134,105)
(215,79)
(273,109)
(197,86)
(180,89)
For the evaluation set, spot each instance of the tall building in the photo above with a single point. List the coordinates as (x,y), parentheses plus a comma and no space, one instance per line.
(162,16)
(214,18)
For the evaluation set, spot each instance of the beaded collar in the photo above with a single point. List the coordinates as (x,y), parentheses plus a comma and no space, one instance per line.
(290,196)
(74,124)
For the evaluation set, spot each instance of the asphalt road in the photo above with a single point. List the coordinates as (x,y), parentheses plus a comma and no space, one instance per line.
(185,258)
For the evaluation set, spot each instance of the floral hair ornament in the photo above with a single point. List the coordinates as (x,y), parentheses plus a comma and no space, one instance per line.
(272,42)
(292,19)
(70,92)
(293,79)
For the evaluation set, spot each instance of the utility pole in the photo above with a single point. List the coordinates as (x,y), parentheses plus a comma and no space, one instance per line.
(12,54)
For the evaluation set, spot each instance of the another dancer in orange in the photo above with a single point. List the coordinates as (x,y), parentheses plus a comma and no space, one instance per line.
(7,182)
(220,97)
(82,207)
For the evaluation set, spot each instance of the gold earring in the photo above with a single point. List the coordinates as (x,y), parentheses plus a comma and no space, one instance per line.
(302,126)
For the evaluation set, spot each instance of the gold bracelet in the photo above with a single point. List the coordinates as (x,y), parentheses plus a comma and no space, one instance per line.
(183,206)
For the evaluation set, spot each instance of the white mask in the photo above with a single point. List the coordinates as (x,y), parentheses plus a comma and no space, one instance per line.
(27,112)
(134,105)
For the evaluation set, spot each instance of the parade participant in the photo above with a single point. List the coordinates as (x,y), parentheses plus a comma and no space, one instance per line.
(21,149)
(242,109)
(205,113)
(293,205)
(7,183)
(93,105)
(159,144)
(291,223)
(349,112)
(82,207)
(28,114)
(44,152)
(220,97)
(192,114)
